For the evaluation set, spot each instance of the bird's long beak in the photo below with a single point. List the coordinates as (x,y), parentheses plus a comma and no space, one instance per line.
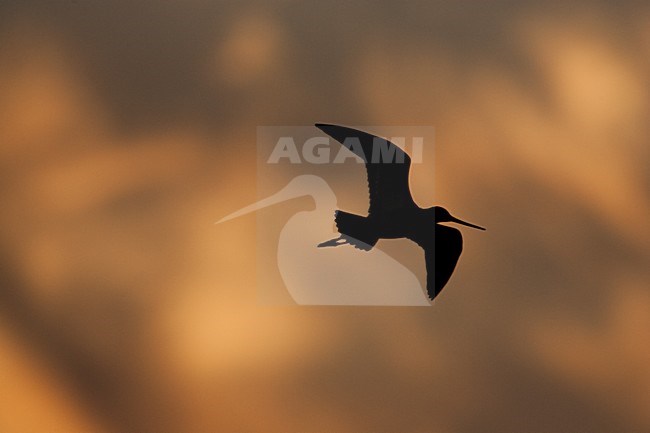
(283,195)
(465,223)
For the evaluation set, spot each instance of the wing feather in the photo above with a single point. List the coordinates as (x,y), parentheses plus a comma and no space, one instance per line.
(387,167)
(442,250)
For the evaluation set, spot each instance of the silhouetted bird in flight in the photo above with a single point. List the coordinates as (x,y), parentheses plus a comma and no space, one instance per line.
(393,213)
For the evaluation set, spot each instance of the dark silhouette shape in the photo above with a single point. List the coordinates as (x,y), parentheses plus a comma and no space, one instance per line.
(393,213)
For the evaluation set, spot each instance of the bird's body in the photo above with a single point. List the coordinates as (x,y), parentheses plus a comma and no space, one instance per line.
(401,224)
(393,213)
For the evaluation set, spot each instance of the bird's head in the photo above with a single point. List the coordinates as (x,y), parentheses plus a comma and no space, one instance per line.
(442,215)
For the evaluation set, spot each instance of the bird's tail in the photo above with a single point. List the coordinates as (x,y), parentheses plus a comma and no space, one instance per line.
(355,230)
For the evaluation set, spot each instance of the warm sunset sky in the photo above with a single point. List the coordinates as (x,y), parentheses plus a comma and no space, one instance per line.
(128,127)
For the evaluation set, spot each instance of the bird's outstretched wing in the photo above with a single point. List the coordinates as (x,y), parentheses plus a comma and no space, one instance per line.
(442,248)
(387,166)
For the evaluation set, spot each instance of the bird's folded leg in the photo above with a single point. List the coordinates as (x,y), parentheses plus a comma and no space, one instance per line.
(333,242)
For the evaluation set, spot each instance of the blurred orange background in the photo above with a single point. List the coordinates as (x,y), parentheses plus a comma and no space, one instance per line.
(128,128)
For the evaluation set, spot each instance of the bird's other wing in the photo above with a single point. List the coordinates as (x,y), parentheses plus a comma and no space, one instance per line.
(387,166)
(441,252)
